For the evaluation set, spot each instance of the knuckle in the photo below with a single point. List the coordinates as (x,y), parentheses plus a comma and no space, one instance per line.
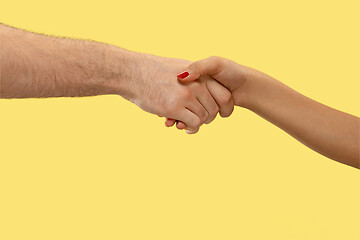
(195,123)
(215,58)
(206,115)
(225,98)
(218,60)
(183,94)
(203,114)
(228,96)
(215,109)
(214,116)
(211,115)
(226,114)
(186,94)
(210,119)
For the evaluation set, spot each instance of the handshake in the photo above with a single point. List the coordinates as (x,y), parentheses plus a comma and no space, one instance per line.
(194,96)
(186,93)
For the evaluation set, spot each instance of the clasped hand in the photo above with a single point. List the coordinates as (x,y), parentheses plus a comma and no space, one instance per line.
(186,93)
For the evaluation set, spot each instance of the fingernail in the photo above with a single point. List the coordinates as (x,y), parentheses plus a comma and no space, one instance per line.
(183,75)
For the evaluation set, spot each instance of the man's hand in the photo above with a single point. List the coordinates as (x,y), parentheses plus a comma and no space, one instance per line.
(36,65)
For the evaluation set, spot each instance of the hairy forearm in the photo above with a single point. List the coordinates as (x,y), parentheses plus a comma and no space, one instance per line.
(35,65)
(330,132)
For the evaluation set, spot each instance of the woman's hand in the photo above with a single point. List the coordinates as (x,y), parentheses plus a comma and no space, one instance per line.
(228,73)
(330,132)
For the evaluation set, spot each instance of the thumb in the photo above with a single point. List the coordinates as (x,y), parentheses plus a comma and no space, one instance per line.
(208,66)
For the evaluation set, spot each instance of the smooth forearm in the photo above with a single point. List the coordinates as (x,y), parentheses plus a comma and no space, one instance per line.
(34,65)
(328,131)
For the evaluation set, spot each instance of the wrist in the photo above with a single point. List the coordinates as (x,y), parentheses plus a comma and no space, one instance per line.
(140,71)
(126,72)
(253,84)
(257,89)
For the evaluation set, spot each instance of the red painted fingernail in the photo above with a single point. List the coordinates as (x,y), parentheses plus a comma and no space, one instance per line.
(183,75)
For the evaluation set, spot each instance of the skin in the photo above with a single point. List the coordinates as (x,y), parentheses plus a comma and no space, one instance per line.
(330,132)
(35,66)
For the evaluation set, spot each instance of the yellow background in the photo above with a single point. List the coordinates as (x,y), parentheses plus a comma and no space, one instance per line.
(100,168)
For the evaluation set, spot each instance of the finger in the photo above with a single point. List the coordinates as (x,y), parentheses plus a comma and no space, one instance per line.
(180,125)
(197,108)
(191,120)
(208,66)
(208,102)
(222,97)
(170,122)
